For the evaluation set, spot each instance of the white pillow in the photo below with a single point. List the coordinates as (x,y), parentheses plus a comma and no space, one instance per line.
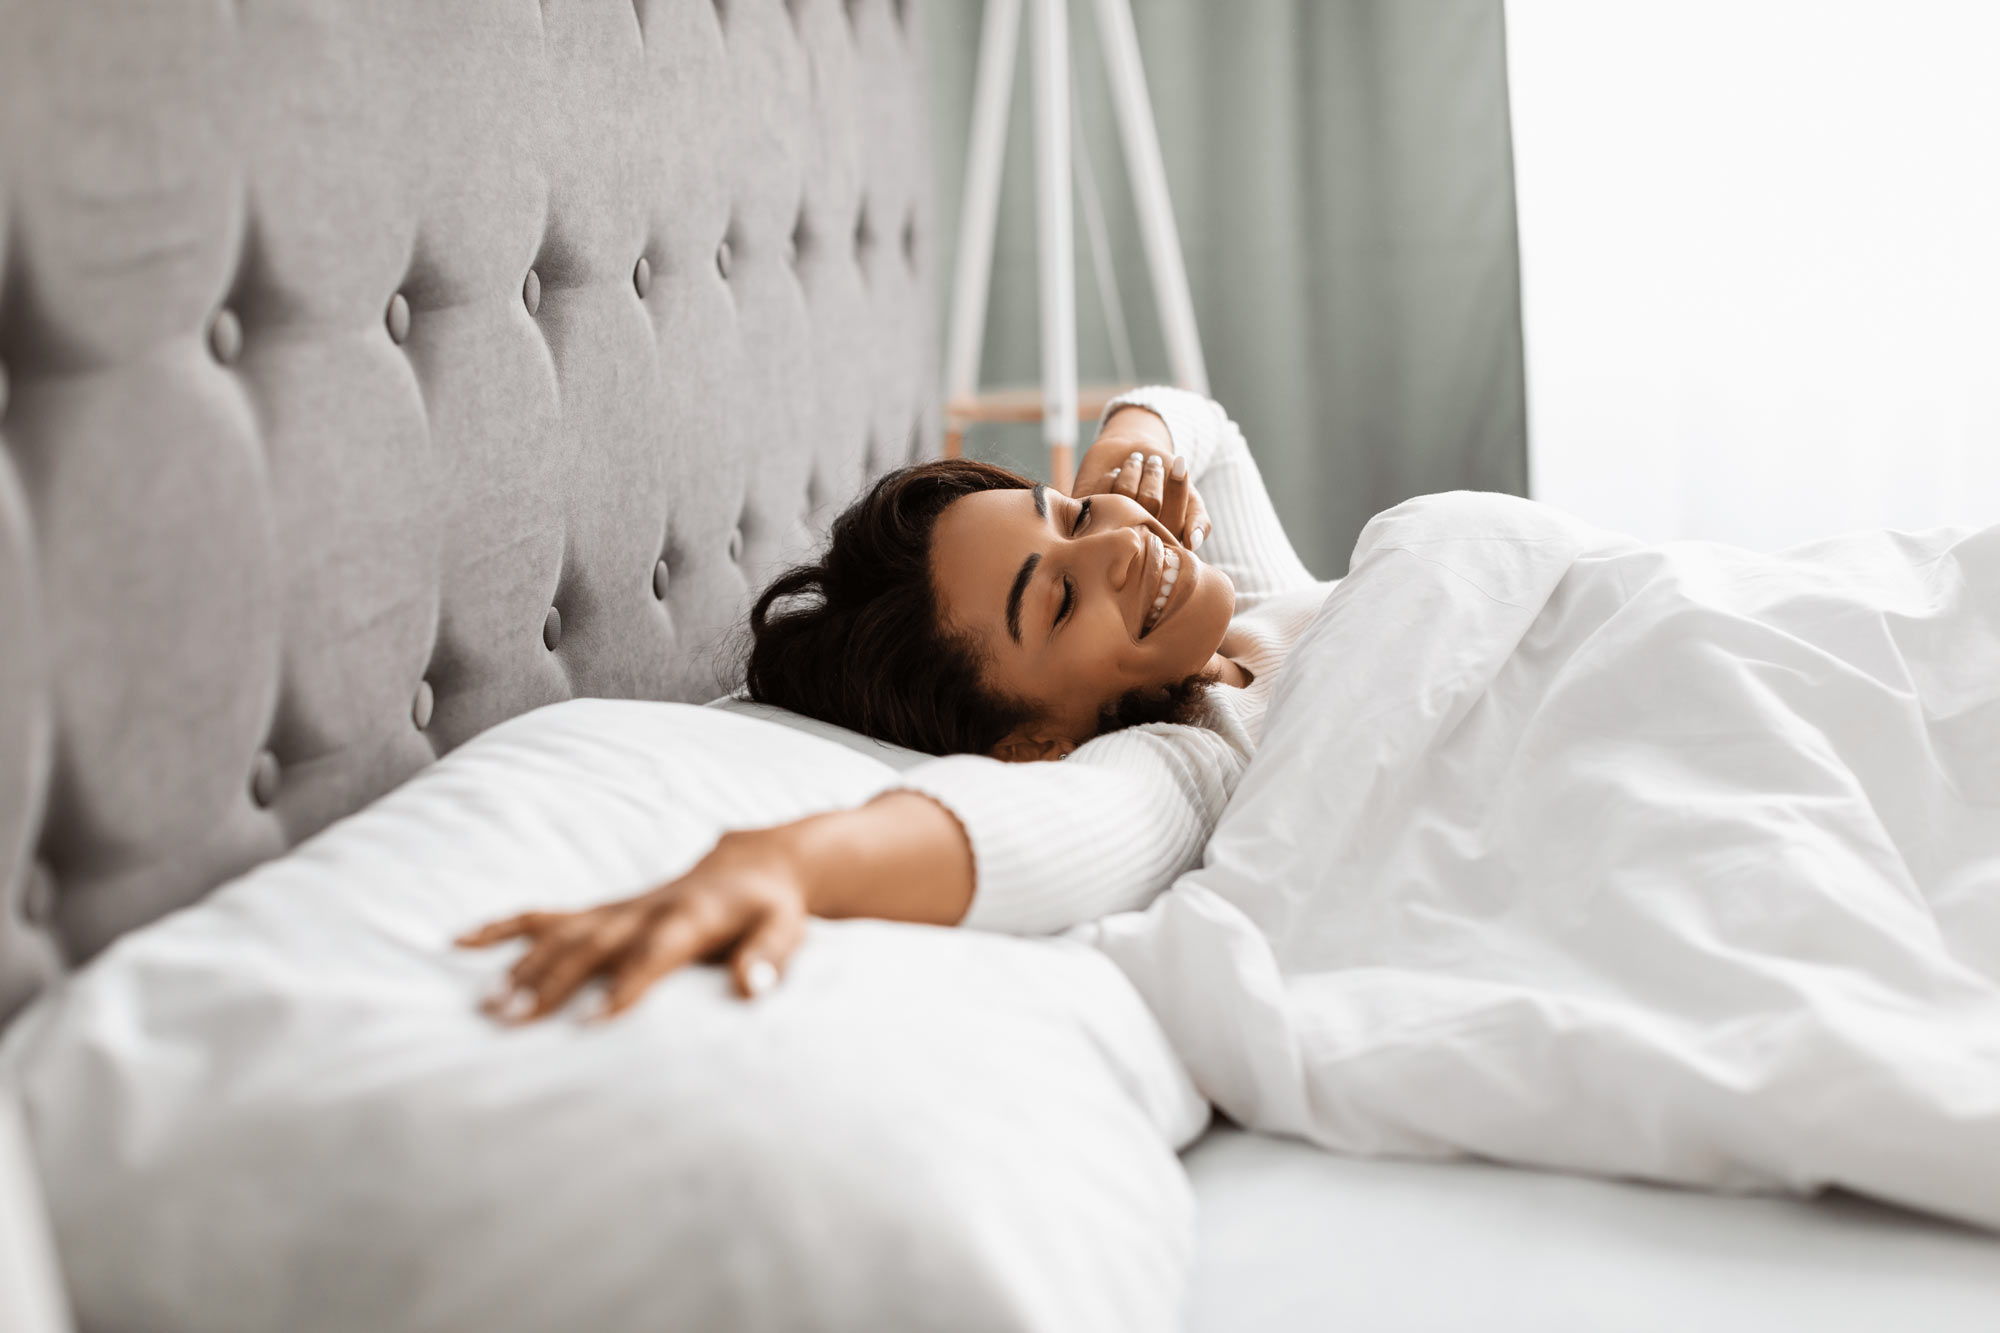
(279,1109)
(895,756)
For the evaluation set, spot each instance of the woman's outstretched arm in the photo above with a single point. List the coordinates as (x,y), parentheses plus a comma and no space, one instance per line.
(901,857)
(1032,848)
(1055,844)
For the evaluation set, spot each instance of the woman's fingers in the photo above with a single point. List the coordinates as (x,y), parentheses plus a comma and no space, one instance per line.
(761,958)
(1196,530)
(1149,480)
(573,947)
(555,939)
(1152,484)
(527,923)
(563,979)
(1124,479)
(518,998)
(686,931)
(1174,498)
(745,900)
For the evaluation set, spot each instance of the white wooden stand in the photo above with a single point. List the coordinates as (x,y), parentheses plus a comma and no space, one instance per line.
(1058,402)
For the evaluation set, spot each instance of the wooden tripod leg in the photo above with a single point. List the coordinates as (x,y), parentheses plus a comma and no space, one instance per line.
(973,273)
(1149,192)
(1054,232)
(1062,466)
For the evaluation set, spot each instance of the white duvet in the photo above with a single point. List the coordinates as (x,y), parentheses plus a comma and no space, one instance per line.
(1671,862)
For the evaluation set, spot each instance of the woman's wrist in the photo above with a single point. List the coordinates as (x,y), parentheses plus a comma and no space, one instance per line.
(901,857)
(1130,428)
(1141,419)
(772,856)
(788,851)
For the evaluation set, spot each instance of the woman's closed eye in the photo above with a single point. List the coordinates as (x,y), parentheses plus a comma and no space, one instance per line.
(1069,588)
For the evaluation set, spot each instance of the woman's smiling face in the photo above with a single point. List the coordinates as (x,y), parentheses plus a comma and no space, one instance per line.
(1062,601)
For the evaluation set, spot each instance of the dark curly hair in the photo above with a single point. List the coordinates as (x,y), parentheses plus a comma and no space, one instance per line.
(859,640)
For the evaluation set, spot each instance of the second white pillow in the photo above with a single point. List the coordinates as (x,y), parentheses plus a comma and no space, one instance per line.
(280,1108)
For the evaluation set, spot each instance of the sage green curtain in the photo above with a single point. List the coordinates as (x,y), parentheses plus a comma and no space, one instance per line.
(1342,177)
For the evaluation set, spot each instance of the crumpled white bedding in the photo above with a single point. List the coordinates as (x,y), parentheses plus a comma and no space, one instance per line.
(1678,862)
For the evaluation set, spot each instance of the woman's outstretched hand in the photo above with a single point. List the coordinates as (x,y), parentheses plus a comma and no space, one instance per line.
(745,901)
(1133,456)
(901,857)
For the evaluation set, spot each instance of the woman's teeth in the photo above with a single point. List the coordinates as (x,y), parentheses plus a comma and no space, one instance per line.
(1169,571)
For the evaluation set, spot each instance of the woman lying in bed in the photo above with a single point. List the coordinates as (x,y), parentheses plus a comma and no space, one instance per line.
(965,612)
(1678,861)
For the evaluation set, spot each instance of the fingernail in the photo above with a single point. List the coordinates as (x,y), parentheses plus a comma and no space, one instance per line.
(1195,543)
(1180,468)
(515,1006)
(759,976)
(1112,475)
(1134,460)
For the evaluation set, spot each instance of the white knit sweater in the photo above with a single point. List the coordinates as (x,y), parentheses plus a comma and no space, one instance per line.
(1054,844)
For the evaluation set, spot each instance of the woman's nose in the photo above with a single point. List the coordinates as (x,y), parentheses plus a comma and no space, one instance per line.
(1123,553)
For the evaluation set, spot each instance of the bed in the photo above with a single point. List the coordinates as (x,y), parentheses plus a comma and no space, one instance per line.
(397,398)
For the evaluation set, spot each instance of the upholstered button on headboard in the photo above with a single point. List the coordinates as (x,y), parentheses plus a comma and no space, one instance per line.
(376,370)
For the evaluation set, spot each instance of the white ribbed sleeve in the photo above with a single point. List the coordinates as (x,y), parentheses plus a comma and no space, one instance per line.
(1102,831)
(1054,844)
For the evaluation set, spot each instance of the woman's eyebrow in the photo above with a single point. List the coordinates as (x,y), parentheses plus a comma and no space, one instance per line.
(1014,595)
(1027,571)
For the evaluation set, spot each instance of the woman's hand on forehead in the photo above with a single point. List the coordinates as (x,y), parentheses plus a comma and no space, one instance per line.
(1134,456)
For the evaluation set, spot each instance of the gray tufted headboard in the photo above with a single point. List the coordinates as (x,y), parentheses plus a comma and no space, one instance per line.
(372,371)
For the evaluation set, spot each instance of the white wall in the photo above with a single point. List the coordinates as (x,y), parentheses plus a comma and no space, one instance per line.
(1760,258)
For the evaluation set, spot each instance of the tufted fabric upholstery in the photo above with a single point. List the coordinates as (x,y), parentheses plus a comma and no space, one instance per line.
(375,370)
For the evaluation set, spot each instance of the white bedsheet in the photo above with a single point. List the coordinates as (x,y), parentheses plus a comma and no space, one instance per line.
(1297,1240)
(1678,863)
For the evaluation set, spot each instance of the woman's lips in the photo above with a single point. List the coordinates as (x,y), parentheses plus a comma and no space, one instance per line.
(1185,576)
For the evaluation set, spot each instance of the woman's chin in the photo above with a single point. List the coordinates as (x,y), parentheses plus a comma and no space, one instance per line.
(1186,642)
(1195,654)
(1209,619)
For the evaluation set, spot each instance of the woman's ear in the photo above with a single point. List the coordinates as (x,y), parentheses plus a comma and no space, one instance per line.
(1026,748)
